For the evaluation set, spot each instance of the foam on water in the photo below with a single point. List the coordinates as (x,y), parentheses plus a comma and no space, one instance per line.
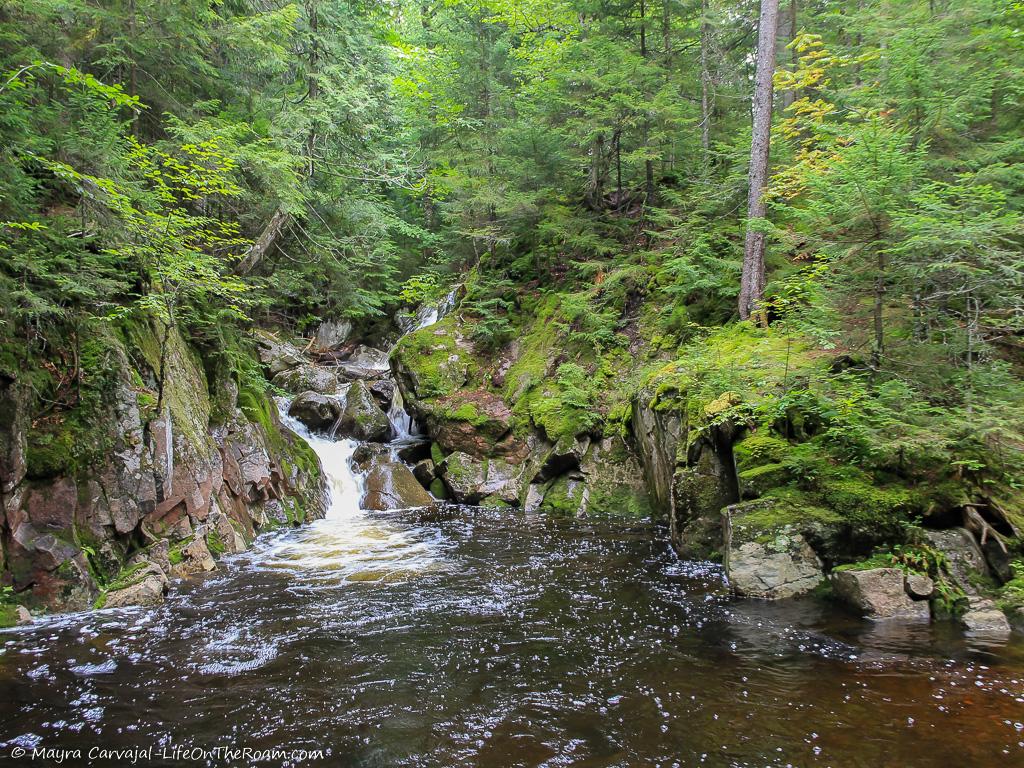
(349,543)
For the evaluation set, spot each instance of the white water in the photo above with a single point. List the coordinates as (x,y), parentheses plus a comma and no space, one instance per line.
(401,421)
(349,543)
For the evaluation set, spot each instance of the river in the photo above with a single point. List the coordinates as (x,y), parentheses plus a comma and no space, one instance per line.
(469,636)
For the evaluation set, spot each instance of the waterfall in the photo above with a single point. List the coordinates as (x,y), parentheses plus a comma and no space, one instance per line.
(401,421)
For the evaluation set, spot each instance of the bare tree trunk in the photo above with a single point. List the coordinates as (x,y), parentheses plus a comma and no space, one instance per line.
(878,313)
(263,243)
(705,85)
(789,96)
(752,281)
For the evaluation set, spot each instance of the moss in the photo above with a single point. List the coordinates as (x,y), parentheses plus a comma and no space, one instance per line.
(760,520)
(436,454)
(128,576)
(215,543)
(432,358)
(8,615)
(619,501)
(880,560)
(758,449)
(174,554)
(437,489)
(759,480)
(563,497)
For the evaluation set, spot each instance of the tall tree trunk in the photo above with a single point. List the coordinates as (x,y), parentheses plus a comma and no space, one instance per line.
(878,312)
(752,281)
(705,85)
(646,128)
(789,96)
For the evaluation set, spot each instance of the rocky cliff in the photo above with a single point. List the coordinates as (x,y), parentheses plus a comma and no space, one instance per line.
(156,465)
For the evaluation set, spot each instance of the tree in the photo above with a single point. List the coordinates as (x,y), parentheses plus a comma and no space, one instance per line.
(752,280)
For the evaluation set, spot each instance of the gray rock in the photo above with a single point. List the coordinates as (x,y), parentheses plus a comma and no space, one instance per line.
(365,363)
(308,378)
(361,417)
(963,556)
(878,593)
(276,354)
(424,472)
(333,333)
(158,554)
(470,480)
(195,557)
(147,588)
(383,390)
(919,586)
(772,563)
(22,616)
(318,412)
(984,617)
(785,566)
(391,485)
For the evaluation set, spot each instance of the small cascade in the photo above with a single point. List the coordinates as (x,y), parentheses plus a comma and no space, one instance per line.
(402,422)
(349,543)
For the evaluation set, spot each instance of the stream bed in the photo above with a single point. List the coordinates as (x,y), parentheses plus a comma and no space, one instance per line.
(471,636)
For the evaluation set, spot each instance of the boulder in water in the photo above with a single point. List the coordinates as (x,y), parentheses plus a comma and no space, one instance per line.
(361,417)
(147,587)
(425,472)
(307,378)
(391,485)
(316,411)
(878,593)
(365,363)
(765,552)
(470,480)
(983,617)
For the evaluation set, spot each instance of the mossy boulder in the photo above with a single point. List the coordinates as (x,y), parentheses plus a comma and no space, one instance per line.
(469,479)
(432,362)
(766,552)
(475,422)
(361,417)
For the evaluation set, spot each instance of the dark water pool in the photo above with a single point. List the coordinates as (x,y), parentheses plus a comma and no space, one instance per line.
(475,637)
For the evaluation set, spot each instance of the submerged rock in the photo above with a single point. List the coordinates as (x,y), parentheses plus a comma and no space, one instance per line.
(879,593)
(391,485)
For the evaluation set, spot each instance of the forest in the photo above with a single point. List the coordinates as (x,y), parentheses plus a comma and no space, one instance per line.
(216,165)
(740,268)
